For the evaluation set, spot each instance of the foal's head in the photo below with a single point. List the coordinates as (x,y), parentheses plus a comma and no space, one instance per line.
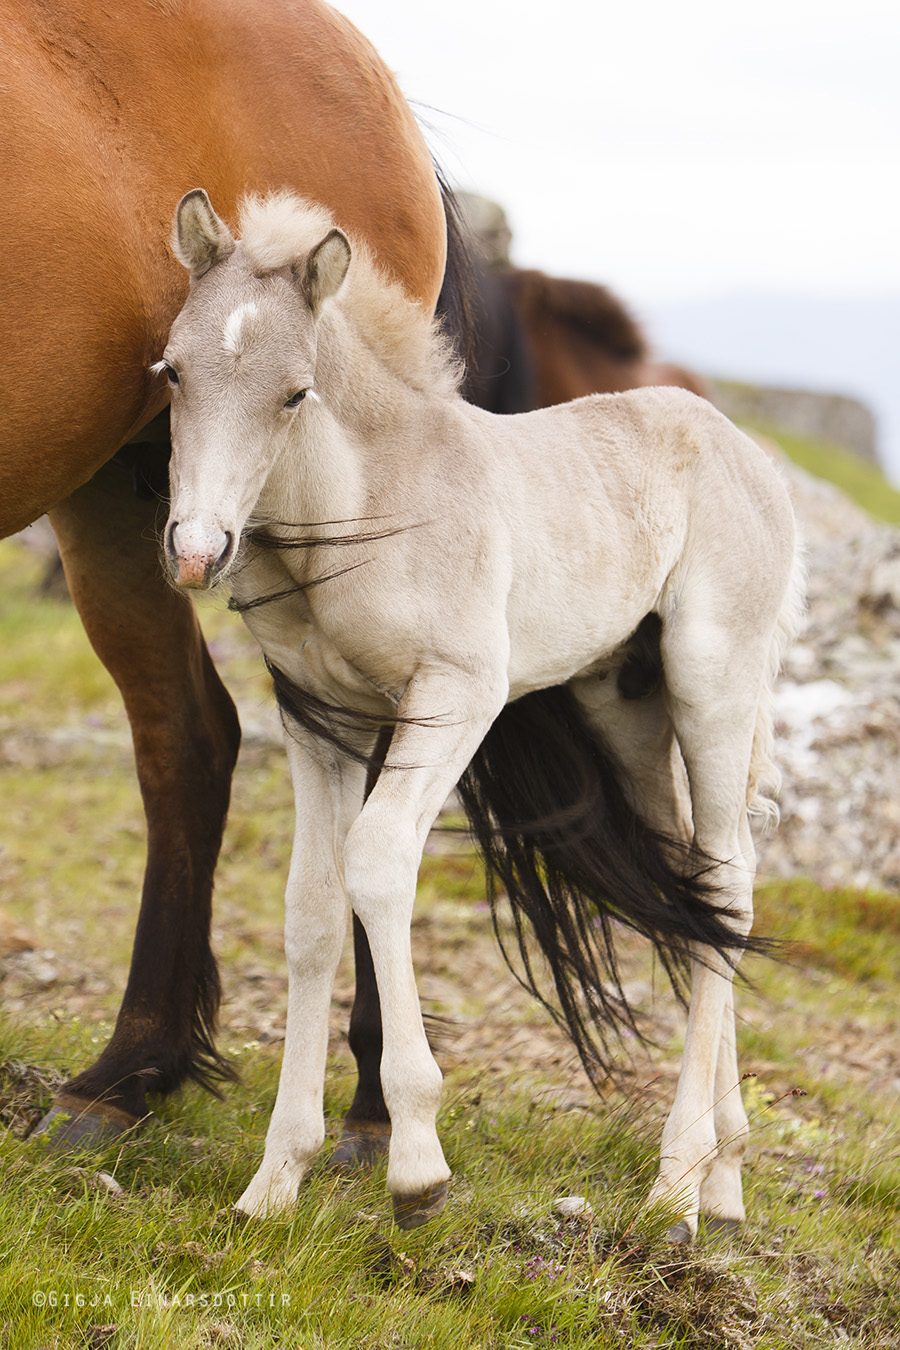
(240,362)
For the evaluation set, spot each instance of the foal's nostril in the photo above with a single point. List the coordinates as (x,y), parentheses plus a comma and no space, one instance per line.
(169,541)
(225,556)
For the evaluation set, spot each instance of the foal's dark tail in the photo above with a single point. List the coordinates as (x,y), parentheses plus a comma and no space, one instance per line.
(547,807)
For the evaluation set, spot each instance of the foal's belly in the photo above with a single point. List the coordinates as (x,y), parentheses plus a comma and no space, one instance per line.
(568,646)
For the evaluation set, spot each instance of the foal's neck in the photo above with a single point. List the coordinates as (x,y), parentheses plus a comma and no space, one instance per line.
(345,458)
(319,478)
(368,396)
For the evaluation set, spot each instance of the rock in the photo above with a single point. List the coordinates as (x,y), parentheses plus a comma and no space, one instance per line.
(837,705)
(572,1207)
(107,1182)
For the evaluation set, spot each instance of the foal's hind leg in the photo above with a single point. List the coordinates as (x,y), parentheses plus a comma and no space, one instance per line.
(186,737)
(721,1193)
(640,731)
(714,713)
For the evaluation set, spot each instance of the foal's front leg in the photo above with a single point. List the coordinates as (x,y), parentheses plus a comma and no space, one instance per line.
(366,1133)
(445,719)
(328,794)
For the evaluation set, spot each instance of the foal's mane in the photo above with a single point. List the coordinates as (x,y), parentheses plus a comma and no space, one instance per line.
(281,229)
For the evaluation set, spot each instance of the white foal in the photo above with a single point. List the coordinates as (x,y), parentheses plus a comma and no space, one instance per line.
(624,564)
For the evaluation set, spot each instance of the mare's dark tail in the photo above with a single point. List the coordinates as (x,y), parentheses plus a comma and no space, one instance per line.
(477,310)
(547,807)
(457,301)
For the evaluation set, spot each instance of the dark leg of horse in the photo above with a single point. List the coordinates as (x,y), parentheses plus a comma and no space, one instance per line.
(366,1133)
(186,737)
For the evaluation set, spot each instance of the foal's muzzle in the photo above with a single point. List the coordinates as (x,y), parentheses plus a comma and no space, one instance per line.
(197,554)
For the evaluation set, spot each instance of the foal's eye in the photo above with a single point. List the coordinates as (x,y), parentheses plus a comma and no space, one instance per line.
(164,368)
(295,399)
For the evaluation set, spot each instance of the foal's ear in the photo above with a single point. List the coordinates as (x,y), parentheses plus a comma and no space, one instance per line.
(200,239)
(323,272)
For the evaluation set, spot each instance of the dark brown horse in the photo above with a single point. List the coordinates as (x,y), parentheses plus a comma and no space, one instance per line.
(110,113)
(538,340)
(542,340)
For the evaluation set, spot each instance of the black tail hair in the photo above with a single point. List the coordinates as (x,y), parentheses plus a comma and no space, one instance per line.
(348,729)
(548,810)
(547,807)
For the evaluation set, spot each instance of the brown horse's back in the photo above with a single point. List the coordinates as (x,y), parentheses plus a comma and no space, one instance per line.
(110,113)
(547,340)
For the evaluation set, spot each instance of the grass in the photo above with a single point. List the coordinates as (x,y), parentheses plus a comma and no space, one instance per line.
(156,1257)
(164,1262)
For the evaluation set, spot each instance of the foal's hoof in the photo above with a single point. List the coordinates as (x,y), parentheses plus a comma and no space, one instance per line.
(363,1143)
(411,1211)
(721,1230)
(679,1235)
(74,1123)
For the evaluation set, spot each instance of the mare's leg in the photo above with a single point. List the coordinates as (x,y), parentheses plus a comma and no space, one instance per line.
(447,717)
(366,1134)
(328,794)
(186,737)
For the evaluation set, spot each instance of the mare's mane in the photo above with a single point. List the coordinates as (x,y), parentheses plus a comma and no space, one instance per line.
(281,229)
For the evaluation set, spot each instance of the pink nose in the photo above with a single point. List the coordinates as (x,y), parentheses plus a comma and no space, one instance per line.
(197,554)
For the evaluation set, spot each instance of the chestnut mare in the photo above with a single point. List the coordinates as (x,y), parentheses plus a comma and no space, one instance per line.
(110,113)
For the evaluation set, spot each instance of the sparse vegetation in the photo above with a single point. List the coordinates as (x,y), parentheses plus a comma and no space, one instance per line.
(863,482)
(136,1247)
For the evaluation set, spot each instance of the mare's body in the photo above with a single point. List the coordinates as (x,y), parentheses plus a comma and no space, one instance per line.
(111,112)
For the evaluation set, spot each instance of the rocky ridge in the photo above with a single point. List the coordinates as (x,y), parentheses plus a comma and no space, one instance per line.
(838,702)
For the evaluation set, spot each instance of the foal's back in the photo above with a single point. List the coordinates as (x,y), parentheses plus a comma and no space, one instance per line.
(598,510)
(629,474)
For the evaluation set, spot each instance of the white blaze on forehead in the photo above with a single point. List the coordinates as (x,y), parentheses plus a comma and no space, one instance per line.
(231,337)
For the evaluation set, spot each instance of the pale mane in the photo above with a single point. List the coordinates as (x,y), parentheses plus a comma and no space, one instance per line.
(280,229)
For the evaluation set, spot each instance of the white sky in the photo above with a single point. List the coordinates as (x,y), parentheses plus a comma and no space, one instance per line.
(668,150)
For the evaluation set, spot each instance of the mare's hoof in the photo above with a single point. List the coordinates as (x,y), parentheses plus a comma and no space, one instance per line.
(74,1123)
(680,1234)
(411,1211)
(363,1143)
(722,1230)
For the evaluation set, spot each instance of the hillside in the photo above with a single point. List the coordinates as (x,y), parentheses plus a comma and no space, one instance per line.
(833,344)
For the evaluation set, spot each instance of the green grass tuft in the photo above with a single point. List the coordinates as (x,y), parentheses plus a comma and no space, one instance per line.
(863,482)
